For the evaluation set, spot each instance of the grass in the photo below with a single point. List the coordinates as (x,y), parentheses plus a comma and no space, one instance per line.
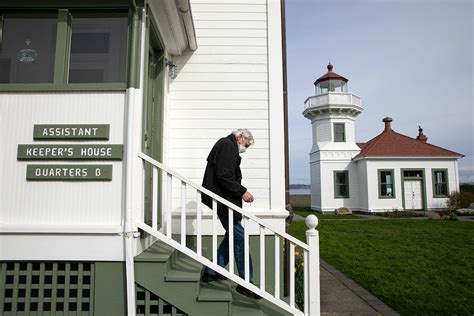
(416,267)
(305,211)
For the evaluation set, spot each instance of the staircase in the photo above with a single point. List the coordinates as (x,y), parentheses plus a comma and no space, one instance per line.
(175,278)
(173,267)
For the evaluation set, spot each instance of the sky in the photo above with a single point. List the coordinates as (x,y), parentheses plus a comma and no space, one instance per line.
(411,60)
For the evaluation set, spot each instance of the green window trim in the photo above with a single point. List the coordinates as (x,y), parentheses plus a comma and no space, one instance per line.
(379,172)
(336,195)
(434,183)
(63,44)
(339,135)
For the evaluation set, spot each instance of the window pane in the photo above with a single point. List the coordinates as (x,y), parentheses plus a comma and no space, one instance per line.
(339,133)
(98,49)
(441,186)
(28,49)
(342,184)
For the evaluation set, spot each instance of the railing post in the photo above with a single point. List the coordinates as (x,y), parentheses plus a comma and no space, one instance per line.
(312,239)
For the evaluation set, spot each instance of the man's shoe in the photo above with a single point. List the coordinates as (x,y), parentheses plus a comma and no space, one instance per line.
(242,290)
(206,277)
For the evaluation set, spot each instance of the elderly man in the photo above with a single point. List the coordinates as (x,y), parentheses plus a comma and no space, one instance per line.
(223,177)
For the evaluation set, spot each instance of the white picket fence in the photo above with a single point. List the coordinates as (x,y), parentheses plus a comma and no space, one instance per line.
(310,250)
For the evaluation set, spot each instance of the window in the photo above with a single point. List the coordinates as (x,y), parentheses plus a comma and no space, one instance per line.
(63,46)
(339,132)
(440,183)
(413,174)
(386,184)
(27,48)
(98,48)
(341,184)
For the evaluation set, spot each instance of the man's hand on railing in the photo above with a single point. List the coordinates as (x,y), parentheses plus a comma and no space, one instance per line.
(247,197)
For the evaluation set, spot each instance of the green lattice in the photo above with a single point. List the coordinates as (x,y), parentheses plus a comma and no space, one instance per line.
(150,304)
(46,288)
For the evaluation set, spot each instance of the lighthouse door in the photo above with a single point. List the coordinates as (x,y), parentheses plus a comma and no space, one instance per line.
(152,122)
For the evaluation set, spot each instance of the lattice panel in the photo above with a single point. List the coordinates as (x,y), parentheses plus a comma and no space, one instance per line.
(46,288)
(149,304)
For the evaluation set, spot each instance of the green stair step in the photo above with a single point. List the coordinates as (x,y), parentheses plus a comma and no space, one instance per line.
(183,269)
(219,291)
(158,252)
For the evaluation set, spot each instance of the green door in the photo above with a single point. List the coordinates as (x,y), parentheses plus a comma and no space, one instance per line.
(152,123)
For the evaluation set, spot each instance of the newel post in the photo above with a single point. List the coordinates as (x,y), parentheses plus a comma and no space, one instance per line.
(312,239)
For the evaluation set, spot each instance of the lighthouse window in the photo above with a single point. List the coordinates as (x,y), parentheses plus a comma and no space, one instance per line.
(341,184)
(440,183)
(98,48)
(27,48)
(386,184)
(339,132)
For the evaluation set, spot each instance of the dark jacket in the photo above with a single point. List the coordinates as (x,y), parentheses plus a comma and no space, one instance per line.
(223,175)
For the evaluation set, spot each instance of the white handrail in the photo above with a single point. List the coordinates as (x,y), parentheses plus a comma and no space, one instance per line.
(223,201)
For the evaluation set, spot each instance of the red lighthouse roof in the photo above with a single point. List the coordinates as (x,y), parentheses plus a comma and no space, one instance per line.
(330,75)
(392,144)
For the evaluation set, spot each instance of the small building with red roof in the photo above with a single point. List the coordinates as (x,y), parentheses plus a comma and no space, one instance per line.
(390,171)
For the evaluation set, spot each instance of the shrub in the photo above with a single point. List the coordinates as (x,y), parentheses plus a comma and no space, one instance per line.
(457,200)
(398,214)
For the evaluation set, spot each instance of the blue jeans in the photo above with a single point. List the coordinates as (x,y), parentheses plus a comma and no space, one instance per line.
(239,254)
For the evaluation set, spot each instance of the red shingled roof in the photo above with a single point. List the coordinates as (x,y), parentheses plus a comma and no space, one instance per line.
(392,144)
(330,75)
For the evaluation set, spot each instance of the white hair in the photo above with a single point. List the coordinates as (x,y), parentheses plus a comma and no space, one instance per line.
(245,133)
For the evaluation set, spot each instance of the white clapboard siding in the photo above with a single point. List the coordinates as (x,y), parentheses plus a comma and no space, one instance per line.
(223,78)
(206,143)
(246,164)
(231,8)
(236,42)
(222,124)
(229,16)
(203,153)
(58,202)
(191,194)
(229,2)
(228,59)
(249,174)
(214,67)
(257,59)
(221,104)
(220,86)
(220,114)
(258,25)
(230,33)
(215,134)
(230,50)
(219,95)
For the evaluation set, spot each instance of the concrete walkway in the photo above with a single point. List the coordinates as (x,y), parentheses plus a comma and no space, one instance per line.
(342,296)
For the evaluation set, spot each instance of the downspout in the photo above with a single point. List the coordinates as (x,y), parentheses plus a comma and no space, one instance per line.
(285,124)
(185,10)
(133,162)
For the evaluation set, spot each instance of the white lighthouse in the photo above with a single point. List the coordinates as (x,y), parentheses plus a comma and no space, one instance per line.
(332,111)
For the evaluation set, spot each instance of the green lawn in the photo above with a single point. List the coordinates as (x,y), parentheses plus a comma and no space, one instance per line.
(416,267)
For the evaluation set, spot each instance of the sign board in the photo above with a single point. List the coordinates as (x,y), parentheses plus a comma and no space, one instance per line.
(70,152)
(71,132)
(69,172)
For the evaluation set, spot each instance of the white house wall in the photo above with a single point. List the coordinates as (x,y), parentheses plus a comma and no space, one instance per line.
(329,202)
(224,85)
(377,204)
(58,203)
